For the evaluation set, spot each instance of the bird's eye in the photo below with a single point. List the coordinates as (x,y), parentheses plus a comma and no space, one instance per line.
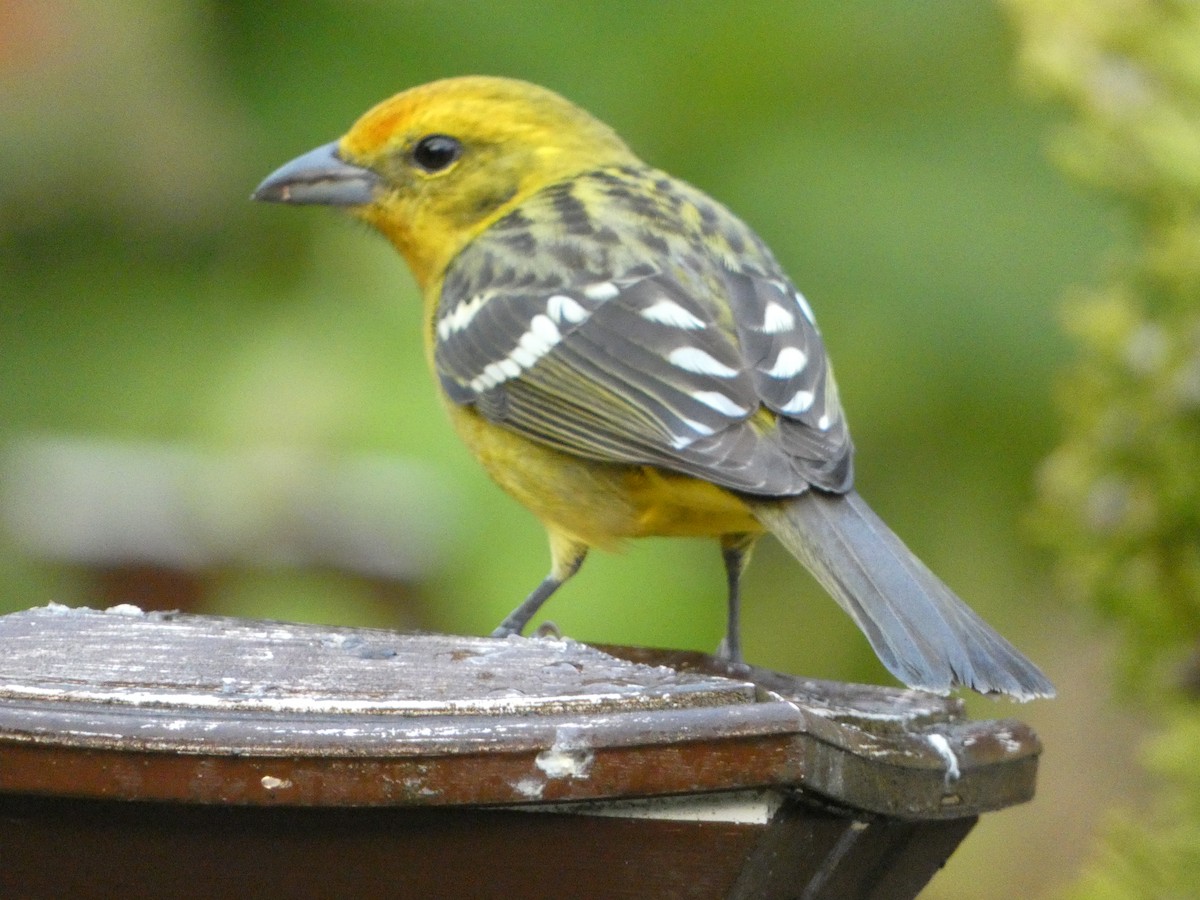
(436,152)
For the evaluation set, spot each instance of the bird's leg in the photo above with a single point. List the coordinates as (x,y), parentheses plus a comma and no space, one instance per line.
(516,620)
(566,558)
(735,551)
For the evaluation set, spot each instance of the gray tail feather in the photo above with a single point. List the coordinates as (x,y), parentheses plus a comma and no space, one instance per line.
(925,635)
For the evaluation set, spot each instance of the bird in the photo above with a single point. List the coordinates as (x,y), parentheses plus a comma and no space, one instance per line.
(626,358)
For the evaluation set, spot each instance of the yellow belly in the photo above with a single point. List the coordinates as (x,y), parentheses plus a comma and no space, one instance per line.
(600,504)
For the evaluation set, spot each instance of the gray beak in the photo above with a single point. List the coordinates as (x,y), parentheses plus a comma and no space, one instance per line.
(319,176)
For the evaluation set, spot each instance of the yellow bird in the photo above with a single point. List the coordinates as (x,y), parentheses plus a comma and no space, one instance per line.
(626,358)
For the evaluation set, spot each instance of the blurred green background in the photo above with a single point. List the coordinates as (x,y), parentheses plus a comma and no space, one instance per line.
(881,148)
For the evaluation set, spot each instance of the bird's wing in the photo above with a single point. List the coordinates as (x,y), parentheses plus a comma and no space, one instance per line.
(725,379)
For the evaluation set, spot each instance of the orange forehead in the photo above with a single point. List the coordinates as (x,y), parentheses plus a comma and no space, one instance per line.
(439,105)
(483,106)
(378,126)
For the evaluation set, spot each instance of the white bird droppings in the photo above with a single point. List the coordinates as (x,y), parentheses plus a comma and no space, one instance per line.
(530,788)
(556,763)
(568,757)
(942,748)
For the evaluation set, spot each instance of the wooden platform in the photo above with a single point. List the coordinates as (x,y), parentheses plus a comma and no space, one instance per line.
(196,756)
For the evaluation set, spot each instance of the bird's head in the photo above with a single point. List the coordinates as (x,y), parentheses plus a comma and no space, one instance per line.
(434,166)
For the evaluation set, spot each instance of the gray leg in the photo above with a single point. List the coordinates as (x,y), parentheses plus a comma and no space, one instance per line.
(735,551)
(516,620)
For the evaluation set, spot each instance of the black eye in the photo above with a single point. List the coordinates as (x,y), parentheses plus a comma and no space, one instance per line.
(436,152)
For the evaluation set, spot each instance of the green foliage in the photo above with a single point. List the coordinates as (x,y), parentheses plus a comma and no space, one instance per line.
(1120,497)
(1157,854)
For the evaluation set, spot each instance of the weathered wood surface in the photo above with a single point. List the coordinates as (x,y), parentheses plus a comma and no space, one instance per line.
(56,849)
(195,756)
(155,706)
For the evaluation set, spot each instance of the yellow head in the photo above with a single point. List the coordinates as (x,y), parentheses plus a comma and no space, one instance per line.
(435,165)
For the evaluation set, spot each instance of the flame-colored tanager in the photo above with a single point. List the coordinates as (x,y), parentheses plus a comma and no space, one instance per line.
(626,358)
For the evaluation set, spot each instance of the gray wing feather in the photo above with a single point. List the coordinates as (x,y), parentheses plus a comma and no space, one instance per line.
(649,367)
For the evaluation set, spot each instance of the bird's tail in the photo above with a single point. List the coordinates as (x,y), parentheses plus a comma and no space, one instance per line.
(925,635)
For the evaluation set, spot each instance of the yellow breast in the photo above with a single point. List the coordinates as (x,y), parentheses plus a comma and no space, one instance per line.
(599,504)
